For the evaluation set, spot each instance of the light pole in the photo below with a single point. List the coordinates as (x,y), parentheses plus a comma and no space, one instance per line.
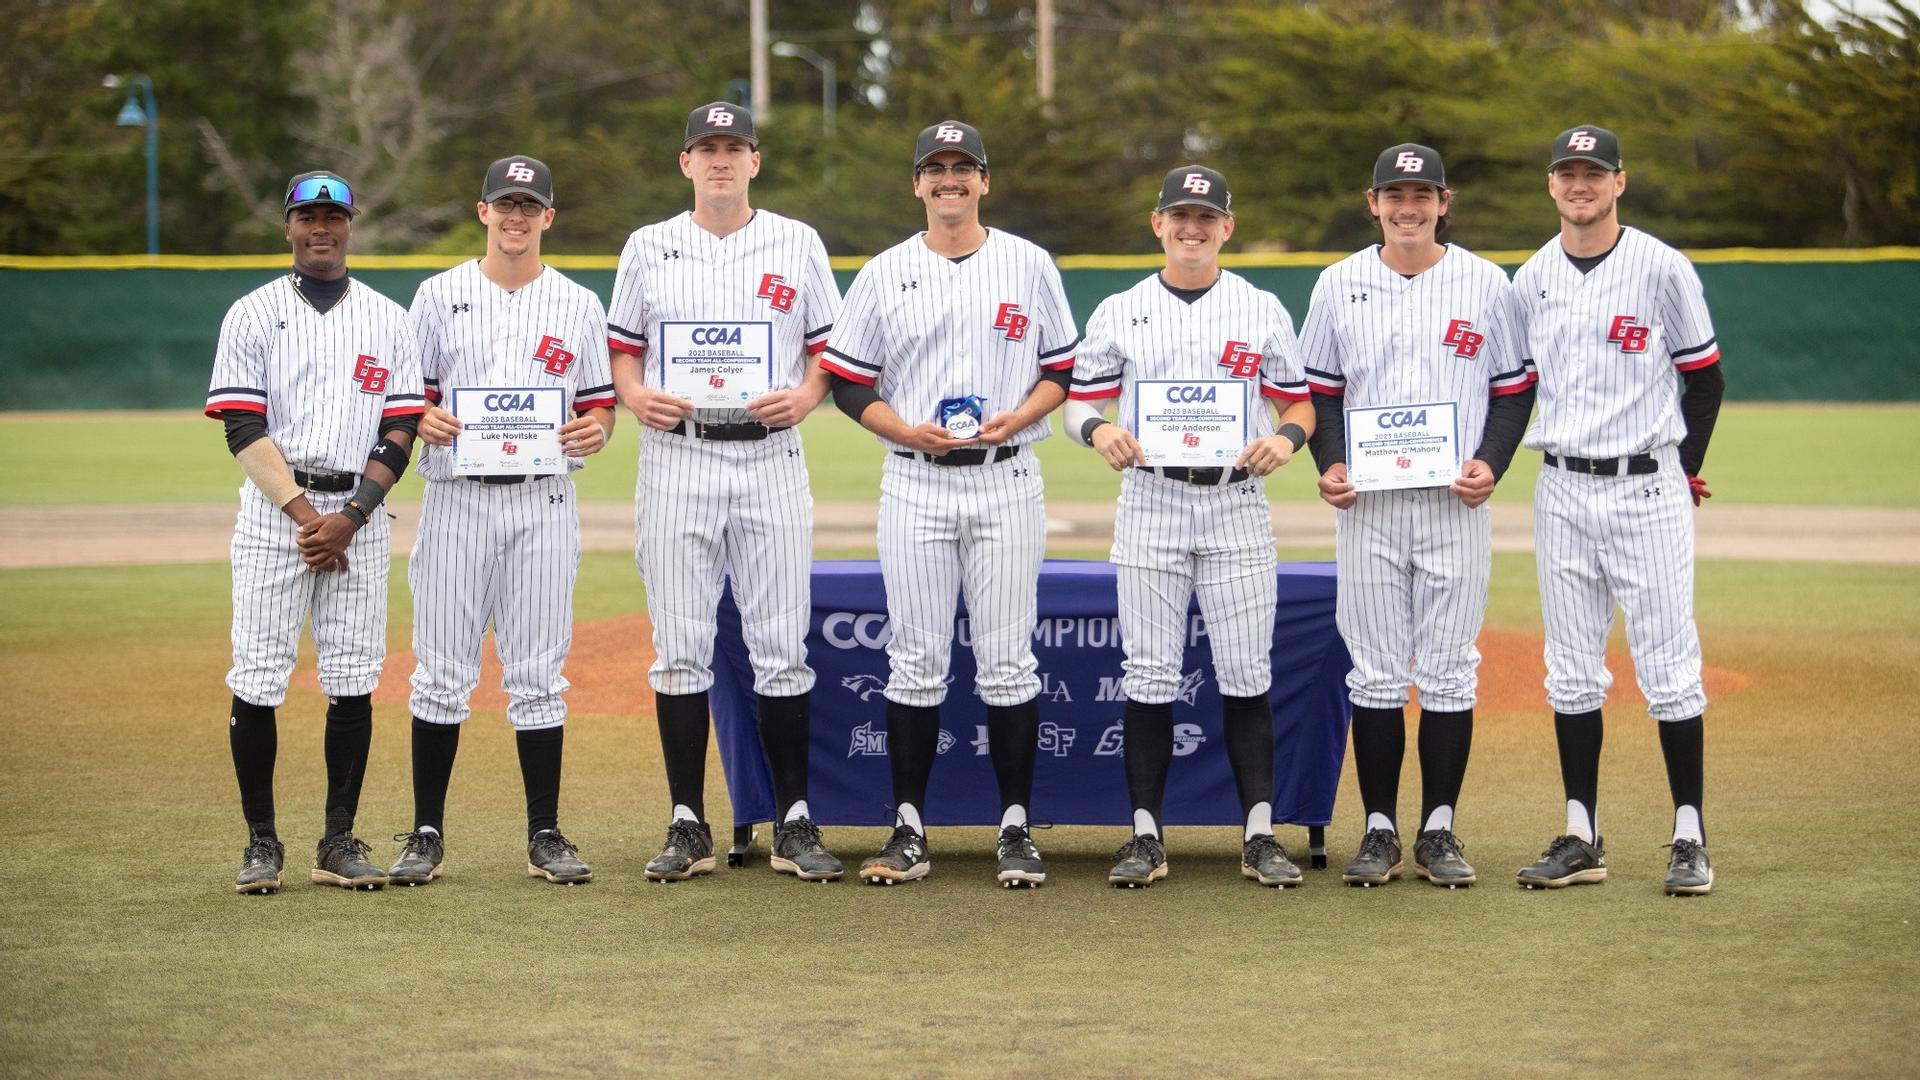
(132,115)
(827,78)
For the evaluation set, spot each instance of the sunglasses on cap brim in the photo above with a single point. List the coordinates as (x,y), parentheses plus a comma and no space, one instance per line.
(321,189)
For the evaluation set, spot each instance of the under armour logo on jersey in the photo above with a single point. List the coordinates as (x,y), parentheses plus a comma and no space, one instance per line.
(459,308)
(1239,362)
(1140,320)
(775,290)
(672,253)
(1022,471)
(520,173)
(557,359)
(1625,333)
(1009,320)
(948,133)
(1357,298)
(1461,336)
(370,375)
(1408,161)
(720,116)
(1581,141)
(1543,294)
(1196,183)
(282,324)
(556,499)
(905,285)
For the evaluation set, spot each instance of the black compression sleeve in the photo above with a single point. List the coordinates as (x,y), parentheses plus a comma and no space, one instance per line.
(243,429)
(1329,441)
(1700,407)
(409,424)
(1062,378)
(1506,423)
(851,397)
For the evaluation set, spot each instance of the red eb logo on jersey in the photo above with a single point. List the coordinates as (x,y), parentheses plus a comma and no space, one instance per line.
(1239,361)
(1627,334)
(1011,322)
(370,375)
(557,359)
(1461,336)
(776,292)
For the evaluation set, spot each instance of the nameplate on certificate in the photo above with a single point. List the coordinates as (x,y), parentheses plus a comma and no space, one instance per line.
(1403,446)
(1197,422)
(716,365)
(508,431)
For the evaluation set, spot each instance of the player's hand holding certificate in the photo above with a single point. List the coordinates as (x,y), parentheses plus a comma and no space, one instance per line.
(1403,446)
(716,365)
(1193,423)
(508,431)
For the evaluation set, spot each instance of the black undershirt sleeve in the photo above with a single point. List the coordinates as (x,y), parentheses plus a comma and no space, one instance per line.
(409,424)
(1506,423)
(1700,407)
(1329,440)
(851,397)
(1062,378)
(243,429)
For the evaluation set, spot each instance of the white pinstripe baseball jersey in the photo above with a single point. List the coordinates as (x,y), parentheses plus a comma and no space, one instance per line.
(771,269)
(919,327)
(1608,344)
(471,332)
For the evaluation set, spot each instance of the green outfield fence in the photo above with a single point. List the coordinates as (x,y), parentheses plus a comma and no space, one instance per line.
(130,332)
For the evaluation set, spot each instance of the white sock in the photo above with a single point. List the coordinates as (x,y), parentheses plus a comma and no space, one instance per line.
(1015,815)
(1144,825)
(1580,823)
(910,817)
(429,830)
(1379,821)
(683,812)
(1259,821)
(1441,818)
(1686,825)
(797,810)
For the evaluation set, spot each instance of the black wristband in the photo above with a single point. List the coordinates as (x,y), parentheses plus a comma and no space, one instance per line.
(353,513)
(1295,434)
(366,499)
(1092,425)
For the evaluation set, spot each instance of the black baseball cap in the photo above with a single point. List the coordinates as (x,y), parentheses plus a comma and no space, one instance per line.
(720,118)
(950,135)
(518,176)
(1409,163)
(320,188)
(1587,143)
(1195,185)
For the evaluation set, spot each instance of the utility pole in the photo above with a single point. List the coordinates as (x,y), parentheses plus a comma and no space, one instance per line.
(1043,58)
(757,64)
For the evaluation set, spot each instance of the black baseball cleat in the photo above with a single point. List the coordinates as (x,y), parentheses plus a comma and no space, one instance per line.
(687,852)
(797,850)
(1377,862)
(1139,863)
(904,858)
(1437,857)
(554,857)
(1020,863)
(341,859)
(260,866)
(1569,860)
(1689,873)
(1265,861)
(421,854)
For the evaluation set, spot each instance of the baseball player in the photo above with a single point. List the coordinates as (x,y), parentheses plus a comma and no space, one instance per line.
(954,346)
(1630,387)
(315,379)
(723,481)
(503,548)
(1189,331)
(1407,325)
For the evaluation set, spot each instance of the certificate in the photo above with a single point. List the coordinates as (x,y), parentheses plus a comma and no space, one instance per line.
(716,365)
(1403,446)
(508,431)
(1191,422)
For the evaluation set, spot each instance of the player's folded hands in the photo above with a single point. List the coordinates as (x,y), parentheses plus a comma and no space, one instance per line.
(323,542)
(931,438)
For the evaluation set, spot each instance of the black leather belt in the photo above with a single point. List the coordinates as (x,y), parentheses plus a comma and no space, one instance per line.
(747,432)
(1637,465)
(326,480)
(1201,477)
(978,455)
(500,481)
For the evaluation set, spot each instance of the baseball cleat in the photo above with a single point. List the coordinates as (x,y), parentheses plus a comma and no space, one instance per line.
(904,858)
(1689,873)
(420,859)
(1437,857)
(797,850)
(341,859)
(1020,863)
(1139,863)
(260,866)
(1569,860)
(554,857)
(1377,862)
(687,852)
(1265,861)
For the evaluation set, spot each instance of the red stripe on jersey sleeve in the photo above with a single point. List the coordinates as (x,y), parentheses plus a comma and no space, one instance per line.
(400,410)
(815,348)
(847,374)
(583,405)
(626,347)
(1276,392)
(1057,365)
(1515,388)
(215,408)
(1695,365)
(1094,395)
(432,395)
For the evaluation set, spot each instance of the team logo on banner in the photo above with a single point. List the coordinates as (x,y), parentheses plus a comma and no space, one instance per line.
(1056,740)
(868,742)
(1113,741)
(863,685)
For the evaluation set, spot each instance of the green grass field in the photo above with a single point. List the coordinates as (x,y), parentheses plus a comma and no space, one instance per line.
(122,950)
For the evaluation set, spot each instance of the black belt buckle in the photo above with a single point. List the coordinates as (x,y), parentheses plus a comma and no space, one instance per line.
(499,480)
(973,455)
(749,431)
(1209,477)
(325,481)
(1594,469)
